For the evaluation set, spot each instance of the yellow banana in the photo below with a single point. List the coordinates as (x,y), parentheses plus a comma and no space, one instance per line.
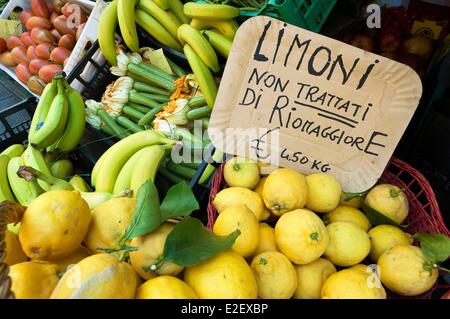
(174,18)
(96,168)
(156,29)
(159,14)
(106,32)
(42,108)
(25,192)
(94,199)
(125,13)
(163,4)
(79,184)
(13,150)
(33,157)
(178,9)
(5,190)
(220,43)
(203,75)
(146,166)
(120,153)
(227,27)
(201,46)
(124,178)
(210,11)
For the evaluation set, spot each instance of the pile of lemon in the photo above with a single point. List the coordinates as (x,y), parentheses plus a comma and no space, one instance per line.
(318,244)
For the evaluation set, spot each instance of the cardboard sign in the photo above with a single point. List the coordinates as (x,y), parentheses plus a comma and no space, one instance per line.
(317,104)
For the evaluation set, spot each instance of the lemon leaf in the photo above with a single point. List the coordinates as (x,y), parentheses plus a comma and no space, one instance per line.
(179,201)
(435,247)
(376,218)
(190,242)
(349,196)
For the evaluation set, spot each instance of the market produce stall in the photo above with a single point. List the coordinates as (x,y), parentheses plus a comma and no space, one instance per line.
(124,167)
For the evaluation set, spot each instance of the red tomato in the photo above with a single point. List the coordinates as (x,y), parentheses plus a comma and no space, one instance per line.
(55,34)
(79,30)
(53,16)
(40,36)
(14,41)
(19,54)
(67,41)
(31,53)
(25,15)
(36,64)
(38,22)
(2,45)
(27,40)
(36,85)
(7,59)
(59,54)
(63,26)
(74,13)
(48,71)
(40,8)
(43,50)
(22,72)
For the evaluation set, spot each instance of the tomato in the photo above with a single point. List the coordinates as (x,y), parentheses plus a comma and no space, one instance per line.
(55,34)
(19,54)
(36,64)
(22,72)
(79,30)
(43,50)
(67,41)
(59,54)
(53,16)
(7,60)
(40,36)
(2,45)
(25,15)
(61,24)
(74,13)
(26,39)
(31,53)
(40,8)
(14,41)
(47,72)
(36,85)
(38,22)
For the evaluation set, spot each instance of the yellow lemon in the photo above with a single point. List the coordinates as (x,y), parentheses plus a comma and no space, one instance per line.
(224,276)
(404,270)
(33,280)
(266,240)
(301,236)
(239,196)
(324,192)
(348,214)
(389,200)
(284,191)
(165,287)
(14,251)
(100,276)
(241,172)
(151,247)
(241,218)
(54,225)
(109,222)
(311,277)
(352,284)
(349,244)
(354,202)
(384,237)
(259,189)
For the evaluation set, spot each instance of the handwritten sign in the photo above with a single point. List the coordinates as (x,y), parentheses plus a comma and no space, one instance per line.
(334,108)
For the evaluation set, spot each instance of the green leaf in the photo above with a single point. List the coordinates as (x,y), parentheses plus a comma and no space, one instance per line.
(349,196)
(435,247)
(376,218)
(190,243)
(179,201)
(147,217)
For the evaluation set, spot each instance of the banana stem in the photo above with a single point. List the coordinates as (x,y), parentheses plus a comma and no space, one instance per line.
(125,193)
(29,174)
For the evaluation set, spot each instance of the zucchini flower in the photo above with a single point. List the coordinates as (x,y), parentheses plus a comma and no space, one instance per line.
(176,112)
(116,94)
(91,113)
(174,132)
(123,59)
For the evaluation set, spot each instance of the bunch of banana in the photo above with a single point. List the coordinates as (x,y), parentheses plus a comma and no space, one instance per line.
(59,120)
(130,162)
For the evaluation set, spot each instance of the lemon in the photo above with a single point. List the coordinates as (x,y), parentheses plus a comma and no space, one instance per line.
(324,192)
(14,251)
(33,280)
(165,287)
(109,222)
(266,240)
(54,225)
(284,191)
(224,276)
(275,275)
(151,247)
(311,277)
(404,270)
(354,202)
(241,172)
(259,189)
(239,196)
(384,237)
(348,214)
(301,236)
(352,284)
(241,218)
(100,276)
(349,244)
(388,200)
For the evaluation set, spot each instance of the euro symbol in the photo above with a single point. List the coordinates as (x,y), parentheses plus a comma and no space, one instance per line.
(262,140)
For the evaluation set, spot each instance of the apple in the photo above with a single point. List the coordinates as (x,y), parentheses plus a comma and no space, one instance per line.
(363,41)
(241,172)
(420,45)
(2,45)
(389,40)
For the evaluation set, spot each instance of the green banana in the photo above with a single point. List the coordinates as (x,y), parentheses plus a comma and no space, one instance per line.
(116,157)
(62,169)
(178,9)
(79,184)
(94,199)
(159,14)
(156,29)
(147,166)
(42,108)
(30,174)
(201,46)
(25,192)
(55,123)
(227,27)
(220,43)
(33,157)
(13,150)
(75,121)
(5,190)
(106,32)
(125,14)
(210,11)
(163,4)
(203,75)
(124,178)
